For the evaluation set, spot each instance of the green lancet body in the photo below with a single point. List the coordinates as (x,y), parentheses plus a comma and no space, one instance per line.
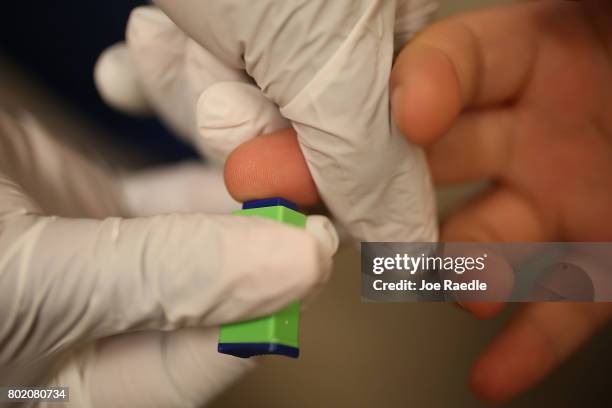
(281,328)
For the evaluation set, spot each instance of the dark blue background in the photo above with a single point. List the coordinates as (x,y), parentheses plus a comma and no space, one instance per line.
(59,41)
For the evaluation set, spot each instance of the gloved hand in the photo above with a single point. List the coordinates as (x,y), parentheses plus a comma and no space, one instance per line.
(327,67)
(123,311)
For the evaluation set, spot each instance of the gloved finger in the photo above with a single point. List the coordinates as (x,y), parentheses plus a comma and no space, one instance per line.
(478,147)
(326,238)
(60,180)
(66,281)
(151,369)
(190,187)
(269,166)
(500,216)
(174,70)
(457,64)
(178,73)
(231,113)
(538,339)
(117,82)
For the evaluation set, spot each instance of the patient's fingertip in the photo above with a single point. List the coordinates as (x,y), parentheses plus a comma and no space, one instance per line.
(271,166)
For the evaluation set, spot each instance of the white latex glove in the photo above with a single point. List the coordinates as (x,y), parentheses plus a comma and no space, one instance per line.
(189,187)
(123,311)
(327,67)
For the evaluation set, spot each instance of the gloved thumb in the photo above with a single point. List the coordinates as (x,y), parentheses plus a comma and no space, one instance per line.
(231,113)
(117,81)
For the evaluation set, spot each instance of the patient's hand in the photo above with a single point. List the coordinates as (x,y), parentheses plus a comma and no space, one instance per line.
(520,95)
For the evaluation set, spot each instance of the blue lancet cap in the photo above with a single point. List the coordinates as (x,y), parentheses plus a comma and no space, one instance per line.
(269,202)
(247,350)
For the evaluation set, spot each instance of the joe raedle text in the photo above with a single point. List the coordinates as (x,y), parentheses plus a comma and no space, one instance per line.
(447,285)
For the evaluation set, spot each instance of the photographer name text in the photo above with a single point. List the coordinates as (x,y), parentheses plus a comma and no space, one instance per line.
(446,285)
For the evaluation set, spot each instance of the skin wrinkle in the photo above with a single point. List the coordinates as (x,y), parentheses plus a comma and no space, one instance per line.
(478,65)
(528,75)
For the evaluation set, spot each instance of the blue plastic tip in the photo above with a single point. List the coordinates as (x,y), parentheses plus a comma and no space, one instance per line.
(248,350)
(269,202)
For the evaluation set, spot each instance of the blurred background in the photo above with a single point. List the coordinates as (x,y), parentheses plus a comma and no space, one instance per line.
(353,354)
